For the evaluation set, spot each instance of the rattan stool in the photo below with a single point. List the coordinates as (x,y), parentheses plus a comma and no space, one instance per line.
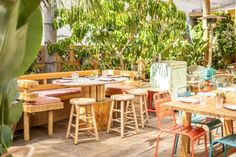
(126,118)
(77,105)
(140,103)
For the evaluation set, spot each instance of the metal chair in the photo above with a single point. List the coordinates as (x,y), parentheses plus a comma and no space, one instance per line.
(193,132)
(225,141)
(196,72)
(223,80)
(210,123)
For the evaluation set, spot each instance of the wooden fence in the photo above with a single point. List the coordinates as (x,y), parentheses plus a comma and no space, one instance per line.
(61,62)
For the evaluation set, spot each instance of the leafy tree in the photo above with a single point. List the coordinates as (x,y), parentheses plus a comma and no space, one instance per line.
(224,42)
(121,32)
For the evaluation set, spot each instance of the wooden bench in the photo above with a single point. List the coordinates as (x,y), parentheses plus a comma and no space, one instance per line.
(46,88)
(33,103)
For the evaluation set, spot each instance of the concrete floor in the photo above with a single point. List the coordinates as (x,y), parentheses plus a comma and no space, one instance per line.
(110,145)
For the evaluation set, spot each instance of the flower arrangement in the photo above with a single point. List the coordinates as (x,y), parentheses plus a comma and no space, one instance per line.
(221,95)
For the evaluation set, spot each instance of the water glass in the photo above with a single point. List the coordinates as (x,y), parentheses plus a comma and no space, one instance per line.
(104,73)
(219,102)
(203,100)
(75,77)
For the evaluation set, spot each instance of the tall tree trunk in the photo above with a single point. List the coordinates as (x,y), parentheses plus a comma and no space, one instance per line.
(206,11)
(49,35)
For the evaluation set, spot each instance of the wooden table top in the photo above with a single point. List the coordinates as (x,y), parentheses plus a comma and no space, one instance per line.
(86,81)
(208,109)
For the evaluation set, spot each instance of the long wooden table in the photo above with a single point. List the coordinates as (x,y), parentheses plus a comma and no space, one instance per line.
(91,87)
(210,110)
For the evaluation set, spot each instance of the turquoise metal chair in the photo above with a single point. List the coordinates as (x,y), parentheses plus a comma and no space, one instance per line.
(228,141)
(211,123)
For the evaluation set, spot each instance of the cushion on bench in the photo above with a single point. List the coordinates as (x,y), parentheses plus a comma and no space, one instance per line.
(58,92)
(118,88)
(43,100)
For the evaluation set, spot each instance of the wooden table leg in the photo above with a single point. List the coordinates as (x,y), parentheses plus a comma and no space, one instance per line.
(185,141)
(100,92)
(228,127)
(93,92)
(50,122)
(26,127)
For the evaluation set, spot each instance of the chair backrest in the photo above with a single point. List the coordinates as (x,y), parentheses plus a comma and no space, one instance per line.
(183,91)
(159,98)
(196,71)
(223,80)
(231,68)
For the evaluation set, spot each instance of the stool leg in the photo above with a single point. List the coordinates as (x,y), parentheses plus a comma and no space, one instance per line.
(146,109)
(86,119)
(50,122)
(26,127)
(122,118)
(77,124)
(135,118)
(70,121)
(94,123)
(110,116)
(141,111)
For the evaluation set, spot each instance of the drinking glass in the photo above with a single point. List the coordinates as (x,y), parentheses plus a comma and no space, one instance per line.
(219,102)
(104,73)
(203,100)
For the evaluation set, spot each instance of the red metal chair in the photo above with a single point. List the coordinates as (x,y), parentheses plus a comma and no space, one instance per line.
(193,132)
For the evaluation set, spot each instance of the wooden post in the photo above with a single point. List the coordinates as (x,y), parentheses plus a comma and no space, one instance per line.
(50,122)
(26,127)
(206,11)
(235,27)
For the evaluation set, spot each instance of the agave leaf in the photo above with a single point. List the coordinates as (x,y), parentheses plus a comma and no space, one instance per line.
(33,40)
(8,48)
(26,9)
(6,138)
(14,112)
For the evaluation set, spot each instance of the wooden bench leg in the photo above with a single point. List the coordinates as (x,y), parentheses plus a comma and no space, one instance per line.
(50,122)
(26,127)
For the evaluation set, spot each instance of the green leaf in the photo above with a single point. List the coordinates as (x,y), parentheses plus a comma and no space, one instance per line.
(26,9)
(33,41)
(15,112)
(6,138)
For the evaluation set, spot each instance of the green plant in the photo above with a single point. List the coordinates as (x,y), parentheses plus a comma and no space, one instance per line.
(224,42)
(121,32)
(190,49)
(20,39)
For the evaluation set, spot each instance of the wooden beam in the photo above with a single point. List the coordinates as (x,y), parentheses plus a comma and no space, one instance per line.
(206,11)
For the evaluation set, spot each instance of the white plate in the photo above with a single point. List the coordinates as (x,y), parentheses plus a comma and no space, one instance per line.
(210,94)
(230,107)
(189,100)
(106,79)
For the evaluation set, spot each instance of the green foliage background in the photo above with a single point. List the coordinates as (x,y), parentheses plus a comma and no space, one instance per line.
(120,32)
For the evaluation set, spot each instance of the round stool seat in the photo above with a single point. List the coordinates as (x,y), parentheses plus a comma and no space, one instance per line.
(82,101)
(137,92)
(122,97)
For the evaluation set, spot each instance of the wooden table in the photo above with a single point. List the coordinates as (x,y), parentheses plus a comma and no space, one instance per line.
(94,88)
(91,87)
(209,110)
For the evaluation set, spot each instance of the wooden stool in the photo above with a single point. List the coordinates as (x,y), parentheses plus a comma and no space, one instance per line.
(126,117)
(140,103)
(86,104)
